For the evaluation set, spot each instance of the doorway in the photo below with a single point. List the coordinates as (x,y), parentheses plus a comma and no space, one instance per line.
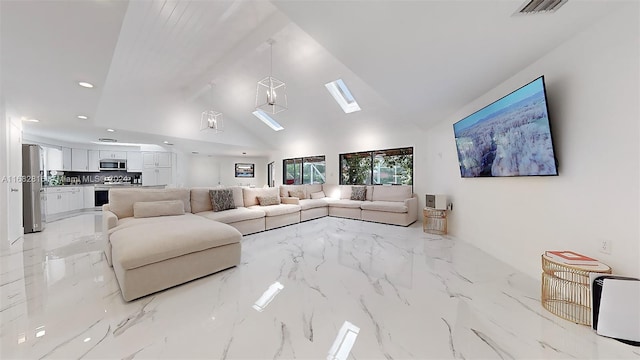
(270,173)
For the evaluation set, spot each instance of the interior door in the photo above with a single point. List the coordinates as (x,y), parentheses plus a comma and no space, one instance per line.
(270,175)
(15,229)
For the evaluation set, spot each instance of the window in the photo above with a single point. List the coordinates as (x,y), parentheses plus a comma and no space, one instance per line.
(378,167)
(307,170)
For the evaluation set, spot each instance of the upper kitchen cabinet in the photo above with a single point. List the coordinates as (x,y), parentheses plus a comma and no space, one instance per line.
(79,160)
(66,159)
(94,160)
(58,159)
(108,154)
(54,158)
(156,160)
(134,161)
(85,160)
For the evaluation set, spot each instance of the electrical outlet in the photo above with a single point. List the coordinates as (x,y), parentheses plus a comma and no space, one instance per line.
(604,246)
(450,206)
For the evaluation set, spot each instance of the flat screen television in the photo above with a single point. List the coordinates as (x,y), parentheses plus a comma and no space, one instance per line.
(510,137)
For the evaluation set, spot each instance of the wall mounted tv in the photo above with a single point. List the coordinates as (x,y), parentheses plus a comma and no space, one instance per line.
(510,137)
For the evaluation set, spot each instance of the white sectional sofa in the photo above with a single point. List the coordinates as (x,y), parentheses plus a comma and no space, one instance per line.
(159,238)
(395,204)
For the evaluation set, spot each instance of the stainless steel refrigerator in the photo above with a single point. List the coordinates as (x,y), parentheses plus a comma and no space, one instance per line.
(33,209)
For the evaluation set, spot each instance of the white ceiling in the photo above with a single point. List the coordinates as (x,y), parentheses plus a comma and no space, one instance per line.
(408,63)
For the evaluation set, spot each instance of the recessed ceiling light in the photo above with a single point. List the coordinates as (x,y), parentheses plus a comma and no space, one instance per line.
(110,130)
(30,120)
(83,117)
(166,142)
(85,84)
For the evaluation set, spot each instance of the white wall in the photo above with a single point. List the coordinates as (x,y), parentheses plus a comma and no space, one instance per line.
(4,171)
(593,92)
(220,170)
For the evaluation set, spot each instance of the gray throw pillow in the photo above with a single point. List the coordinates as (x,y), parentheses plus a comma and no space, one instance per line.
(222,199)
(268,200)
(358,193)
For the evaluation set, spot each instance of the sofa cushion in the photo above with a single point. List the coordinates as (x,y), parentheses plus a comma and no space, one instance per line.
(344,203)
(250,195)
(331,191)
(222,199)
(233,215)
(280,209)
(284,189)
(313,188)
(392,193)
(388,206)
(306,204)
(358,193)
(318,195)
(141,245)
(145,209)
(297,194)
(132,221)
(121,200)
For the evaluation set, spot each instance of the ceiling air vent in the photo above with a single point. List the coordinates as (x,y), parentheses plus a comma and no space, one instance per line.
(540,6)
(107,140)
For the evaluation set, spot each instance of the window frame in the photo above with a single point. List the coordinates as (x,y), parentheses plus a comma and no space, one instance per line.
(301,161)
(408,150)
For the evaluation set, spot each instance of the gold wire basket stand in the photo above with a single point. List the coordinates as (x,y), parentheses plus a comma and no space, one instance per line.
(565,289)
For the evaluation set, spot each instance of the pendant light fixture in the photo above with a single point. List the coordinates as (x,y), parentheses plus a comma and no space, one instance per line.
(271,93)
(211,120)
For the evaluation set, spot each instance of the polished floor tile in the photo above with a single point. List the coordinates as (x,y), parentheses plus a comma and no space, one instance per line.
(328,288)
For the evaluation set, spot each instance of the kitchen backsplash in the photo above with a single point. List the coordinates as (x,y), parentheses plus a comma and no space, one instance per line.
(76,177)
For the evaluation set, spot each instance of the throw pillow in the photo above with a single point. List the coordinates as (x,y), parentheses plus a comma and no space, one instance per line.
(318,195)
(222,199)
(297,194)
(145,209)
(358,193)
(268,200)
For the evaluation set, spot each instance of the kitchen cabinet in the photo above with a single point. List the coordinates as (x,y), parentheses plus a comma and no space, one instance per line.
(157,176)
(134,161)
(66,159)
(54,159)
(63,199)
(89,196)
(156,159)
(79,160)
(108,154)
(93,157)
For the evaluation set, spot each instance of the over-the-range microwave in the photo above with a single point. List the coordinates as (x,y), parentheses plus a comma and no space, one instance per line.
(113,164)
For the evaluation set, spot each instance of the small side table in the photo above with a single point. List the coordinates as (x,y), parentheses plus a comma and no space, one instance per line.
(565,289)
(435,221)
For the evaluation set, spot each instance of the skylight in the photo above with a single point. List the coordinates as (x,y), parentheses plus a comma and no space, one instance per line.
(268,120)
(343,96)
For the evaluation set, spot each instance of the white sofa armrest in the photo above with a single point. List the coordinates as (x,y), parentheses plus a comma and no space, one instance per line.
(412,206)
(109,219)
(290,200)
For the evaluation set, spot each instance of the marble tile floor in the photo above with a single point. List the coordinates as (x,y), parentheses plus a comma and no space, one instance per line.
(323,289)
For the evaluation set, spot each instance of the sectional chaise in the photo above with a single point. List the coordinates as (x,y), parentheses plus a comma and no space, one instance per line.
(159,238)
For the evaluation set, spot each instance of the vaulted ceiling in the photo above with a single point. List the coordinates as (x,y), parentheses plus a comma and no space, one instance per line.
(408,63)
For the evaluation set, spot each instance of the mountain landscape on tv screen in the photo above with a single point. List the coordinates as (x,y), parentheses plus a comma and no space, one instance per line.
(512,141)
